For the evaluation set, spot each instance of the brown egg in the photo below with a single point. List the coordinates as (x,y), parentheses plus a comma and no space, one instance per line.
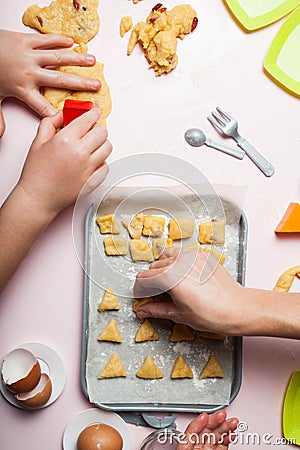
(99,436)
(39,395)
(20,371)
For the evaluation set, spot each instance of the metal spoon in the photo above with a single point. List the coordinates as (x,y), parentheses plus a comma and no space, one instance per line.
(196,137)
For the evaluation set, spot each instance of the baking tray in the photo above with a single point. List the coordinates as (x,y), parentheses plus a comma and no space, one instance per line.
(144,406)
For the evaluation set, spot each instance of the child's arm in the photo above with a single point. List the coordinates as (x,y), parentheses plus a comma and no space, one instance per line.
(24,59)
(58,165)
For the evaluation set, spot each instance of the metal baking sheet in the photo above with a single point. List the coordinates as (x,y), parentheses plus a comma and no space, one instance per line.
(131,393)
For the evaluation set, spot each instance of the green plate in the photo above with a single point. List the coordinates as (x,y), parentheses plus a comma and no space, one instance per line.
(254,14)
(282,62)
(291,410)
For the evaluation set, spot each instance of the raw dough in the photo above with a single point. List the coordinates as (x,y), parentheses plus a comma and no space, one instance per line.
(109,301)
(135,225)
(181,333)
(212,232)
(113,368)
(100,98)
(111,333)
(115,246)
(153,226)
(181,227)
(125,25)
(159,245)
(149,370)
(181,369)
(77,19)
(140,302)
(146,332)
(285,281)
(140,250)
(158,35)
(212,369)
(108,224)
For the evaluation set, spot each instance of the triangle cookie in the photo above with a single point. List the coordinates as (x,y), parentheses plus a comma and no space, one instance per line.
(109,301)
(110,333)
(113,368)
(290,223)
(146,332)
(181,333)
(212,369)
(149,370)
(181,369)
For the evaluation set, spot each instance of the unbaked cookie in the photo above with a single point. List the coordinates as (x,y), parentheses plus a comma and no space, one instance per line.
(113,368)
(77,19)
(100,98)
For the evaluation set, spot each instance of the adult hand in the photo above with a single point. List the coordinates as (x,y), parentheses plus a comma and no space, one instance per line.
(24,68)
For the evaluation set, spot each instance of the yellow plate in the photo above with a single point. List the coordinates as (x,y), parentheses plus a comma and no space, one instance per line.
(282,61)
(254,14)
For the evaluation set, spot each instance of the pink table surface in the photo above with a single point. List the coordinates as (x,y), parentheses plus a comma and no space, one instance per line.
(218,65)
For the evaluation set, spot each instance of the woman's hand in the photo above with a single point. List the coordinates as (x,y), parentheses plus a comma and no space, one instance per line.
(24,59)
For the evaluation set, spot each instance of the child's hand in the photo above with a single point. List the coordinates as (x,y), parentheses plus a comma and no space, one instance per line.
(209,432)
(59,164)
(23,61)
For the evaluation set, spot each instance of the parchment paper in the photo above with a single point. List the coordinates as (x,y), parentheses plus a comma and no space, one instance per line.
(119,273)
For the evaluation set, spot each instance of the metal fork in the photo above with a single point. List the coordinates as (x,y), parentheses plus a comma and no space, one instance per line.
(228,125)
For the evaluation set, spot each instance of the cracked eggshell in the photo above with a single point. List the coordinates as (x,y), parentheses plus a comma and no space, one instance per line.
(39,395)
(20,371)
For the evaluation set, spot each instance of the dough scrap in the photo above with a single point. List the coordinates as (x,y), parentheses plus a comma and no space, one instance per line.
(115,246)
(212,232)
(77,19)
(109,301)
(140,302)
(113,368)
(149,370)
(158,35)
(135,225)
(146,332)
(111,333)
(285,281)
(100,98)
(153,226)
(140,250)
(181,332)
(125,25)
(160,244)
(212,369)
(108,224)
(181,369)
(181,227)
